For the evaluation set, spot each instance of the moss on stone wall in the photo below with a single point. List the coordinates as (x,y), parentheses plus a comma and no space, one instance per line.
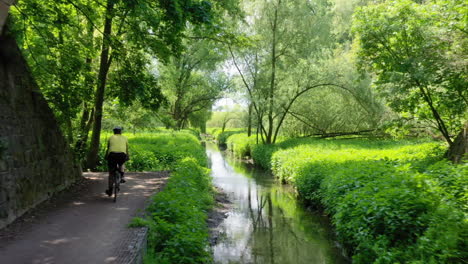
(35,160)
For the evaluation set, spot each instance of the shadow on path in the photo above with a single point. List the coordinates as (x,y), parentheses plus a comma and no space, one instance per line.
(81,224)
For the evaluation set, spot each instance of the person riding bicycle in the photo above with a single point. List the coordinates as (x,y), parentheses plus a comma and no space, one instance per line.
(117,153)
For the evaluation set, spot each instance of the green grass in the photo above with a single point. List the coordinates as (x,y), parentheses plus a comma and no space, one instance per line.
(389,201)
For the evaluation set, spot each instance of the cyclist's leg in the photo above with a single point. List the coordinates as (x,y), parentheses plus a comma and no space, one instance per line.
(111,167)
(122,169)
(120,162)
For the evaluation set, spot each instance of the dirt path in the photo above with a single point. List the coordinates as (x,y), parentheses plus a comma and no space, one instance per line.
(80,225)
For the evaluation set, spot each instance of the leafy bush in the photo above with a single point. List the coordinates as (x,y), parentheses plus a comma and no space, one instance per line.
(213,131)
(193,131)
(452,180)
(262,154)
(222,137)
(142,160)
(393,215)
(178,230)
(240,144)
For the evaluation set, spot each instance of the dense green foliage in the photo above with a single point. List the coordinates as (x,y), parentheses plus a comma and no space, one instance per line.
(298,75)
(177,215)
(240,144)
(86,54)
(390,201)
(192,83)
(159,151)
(302,68)
(227,117)
(222,136)
(178,231)
(418,52)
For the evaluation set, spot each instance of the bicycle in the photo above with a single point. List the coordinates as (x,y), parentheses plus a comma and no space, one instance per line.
(116,181)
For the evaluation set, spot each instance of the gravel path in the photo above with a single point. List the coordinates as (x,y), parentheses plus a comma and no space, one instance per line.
(81,224)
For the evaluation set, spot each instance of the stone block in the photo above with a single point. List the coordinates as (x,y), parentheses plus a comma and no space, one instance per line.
(3,210)
(3,165)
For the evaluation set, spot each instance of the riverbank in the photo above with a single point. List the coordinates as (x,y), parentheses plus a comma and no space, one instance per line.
(177,216)
(217,214)
(266,222)
(389,201)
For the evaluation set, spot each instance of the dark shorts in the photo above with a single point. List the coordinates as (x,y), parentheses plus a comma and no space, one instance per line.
(116,158)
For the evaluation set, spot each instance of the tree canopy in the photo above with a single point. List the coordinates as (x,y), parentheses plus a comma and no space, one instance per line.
(418,59)
(299,68)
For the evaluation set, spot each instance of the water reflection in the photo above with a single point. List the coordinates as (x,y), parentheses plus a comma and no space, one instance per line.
(266,224)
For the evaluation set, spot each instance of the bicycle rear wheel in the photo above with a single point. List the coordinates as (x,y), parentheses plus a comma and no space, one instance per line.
(117,178)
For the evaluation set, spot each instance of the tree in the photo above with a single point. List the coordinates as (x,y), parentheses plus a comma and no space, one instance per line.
(57,47)
(225,116)
(132,118)
(191,81)
(335,110)
(413,52)
(154,27)
(287,59)
(199,119)
(74,45)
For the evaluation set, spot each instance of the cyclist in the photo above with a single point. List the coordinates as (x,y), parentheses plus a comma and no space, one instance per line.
(117,153)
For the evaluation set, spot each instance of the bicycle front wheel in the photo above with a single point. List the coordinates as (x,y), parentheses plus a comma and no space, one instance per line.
(117,178)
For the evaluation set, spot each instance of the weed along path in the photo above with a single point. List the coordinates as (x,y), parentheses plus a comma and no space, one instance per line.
(82,224)
(266,223)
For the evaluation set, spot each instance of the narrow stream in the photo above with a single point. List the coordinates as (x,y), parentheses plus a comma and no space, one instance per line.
(266,223)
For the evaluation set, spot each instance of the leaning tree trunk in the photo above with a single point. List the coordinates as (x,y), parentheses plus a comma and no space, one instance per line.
(87,116)
(458,151)
(92,159)
(85,126)
(249,121)
(271,102)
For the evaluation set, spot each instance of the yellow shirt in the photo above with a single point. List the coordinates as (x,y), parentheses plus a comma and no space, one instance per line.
(117,143)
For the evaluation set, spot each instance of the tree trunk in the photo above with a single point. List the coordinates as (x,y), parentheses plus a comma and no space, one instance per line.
(88,113)
(440,122)
(249,124)
(457,152)
(269,135)
(69,128)
(223,127)
(203,127)
(85,126)
(92,159)
(256,134)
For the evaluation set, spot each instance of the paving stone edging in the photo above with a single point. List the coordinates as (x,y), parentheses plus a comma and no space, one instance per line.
(132,249)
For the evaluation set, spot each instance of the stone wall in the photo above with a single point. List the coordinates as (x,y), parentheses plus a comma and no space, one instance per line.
(4,8)
(35,161)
